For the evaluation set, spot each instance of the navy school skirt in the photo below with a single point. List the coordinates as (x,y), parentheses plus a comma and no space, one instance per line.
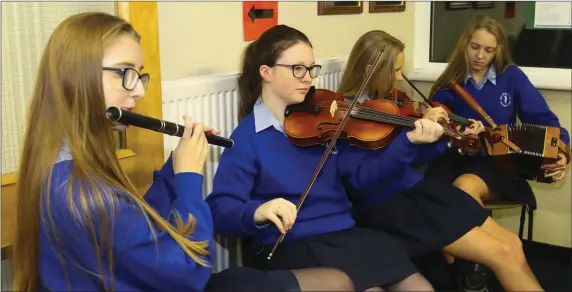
(239,279)
(370,258)
(426,217)
(451,165)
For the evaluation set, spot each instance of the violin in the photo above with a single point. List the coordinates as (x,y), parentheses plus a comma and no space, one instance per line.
(325,116)
(373,124)
(334,138)
(419,108)
(410,107)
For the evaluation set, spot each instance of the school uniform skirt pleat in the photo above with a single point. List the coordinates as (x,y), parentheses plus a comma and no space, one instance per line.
(243,279)
(451,165)
(370,258)
(426,217)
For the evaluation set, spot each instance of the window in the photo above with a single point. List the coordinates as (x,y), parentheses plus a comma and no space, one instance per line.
(26,27)
(438,26)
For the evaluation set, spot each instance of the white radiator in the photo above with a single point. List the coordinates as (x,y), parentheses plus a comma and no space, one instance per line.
(213,100)
(331,73)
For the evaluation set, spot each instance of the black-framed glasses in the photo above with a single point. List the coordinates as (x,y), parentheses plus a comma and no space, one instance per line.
(131,77)
(299,70)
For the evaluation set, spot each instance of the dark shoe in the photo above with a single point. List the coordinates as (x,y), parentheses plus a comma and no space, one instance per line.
(471,277)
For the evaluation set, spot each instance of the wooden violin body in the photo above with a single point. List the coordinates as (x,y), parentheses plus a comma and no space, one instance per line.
(313,122)
(373,124)
(471,144)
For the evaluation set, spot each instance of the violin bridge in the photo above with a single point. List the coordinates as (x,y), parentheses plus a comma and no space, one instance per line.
(333,108)
(416,106)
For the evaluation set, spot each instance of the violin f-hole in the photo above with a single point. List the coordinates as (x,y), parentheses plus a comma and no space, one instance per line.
(327,124)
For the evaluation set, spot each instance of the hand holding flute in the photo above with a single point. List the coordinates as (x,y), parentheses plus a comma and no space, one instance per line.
(191,153)
(115,114)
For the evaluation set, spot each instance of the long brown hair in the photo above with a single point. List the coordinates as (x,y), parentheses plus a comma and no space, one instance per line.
(363,54)
(458,66)
(68,106)
(264,51)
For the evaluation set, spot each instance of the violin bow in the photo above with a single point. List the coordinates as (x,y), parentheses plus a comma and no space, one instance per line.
(496,135)
(332,143)
(455,118)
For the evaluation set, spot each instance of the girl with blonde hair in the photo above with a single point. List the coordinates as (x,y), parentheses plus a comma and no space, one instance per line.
(82,225)
(425,215)
(481,63)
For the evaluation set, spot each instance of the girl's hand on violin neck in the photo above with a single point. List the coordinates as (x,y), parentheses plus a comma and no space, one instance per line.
(476,127)
(279,211)
(436,114)
(191,153)
(426,131)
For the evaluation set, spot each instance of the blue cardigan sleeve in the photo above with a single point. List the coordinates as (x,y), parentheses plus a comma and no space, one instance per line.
(162,264)
(230,201)
(364,168)
(141,261)
(428,152)
(160,200)
(532,107)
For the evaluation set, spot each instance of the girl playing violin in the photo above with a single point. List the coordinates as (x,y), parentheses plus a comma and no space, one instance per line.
(481,64)
(425,215)
(259,180)
(82,225)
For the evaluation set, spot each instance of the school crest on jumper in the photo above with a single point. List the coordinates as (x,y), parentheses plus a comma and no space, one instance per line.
(505,99)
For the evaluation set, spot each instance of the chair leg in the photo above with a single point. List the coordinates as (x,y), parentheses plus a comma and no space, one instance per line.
(522,219)
(530,222)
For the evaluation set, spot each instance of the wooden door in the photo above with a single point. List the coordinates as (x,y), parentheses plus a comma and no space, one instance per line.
(144,151)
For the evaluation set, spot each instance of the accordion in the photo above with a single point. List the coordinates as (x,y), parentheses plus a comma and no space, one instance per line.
(539,145)
(519,150)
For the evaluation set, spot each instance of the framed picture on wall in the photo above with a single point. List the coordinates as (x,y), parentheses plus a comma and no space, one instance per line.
(456,5)
(339,7)
(386,6)
(483,4)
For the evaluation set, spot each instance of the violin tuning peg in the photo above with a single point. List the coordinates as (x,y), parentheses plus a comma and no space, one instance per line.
(461,152)
(449,144)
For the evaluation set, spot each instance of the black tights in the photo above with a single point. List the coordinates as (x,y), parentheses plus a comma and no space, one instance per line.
(311,279)
(415,282)
(323,279)
(253,280)
(329,279)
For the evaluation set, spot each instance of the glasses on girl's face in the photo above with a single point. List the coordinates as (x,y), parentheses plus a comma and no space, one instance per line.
(299,70)
(131,77)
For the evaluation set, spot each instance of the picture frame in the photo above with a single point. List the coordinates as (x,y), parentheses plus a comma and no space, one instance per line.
(458,5)
(483,4)
(340,7)
(386,6)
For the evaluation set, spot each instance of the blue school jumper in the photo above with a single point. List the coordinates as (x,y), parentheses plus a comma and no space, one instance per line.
(504,97)
(264,165)
(367,198)
(141,263)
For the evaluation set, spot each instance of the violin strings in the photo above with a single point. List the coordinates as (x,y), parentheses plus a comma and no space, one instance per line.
(329,148)
(369,114)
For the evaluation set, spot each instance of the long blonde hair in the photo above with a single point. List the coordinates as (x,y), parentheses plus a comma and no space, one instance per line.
(458,66)
(68,106)
(363,54)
